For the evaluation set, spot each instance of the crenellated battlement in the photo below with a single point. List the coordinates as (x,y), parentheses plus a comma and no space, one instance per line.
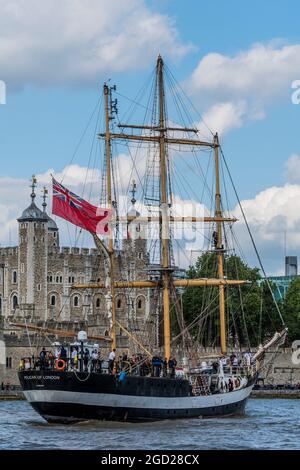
(9,251)
(67,250)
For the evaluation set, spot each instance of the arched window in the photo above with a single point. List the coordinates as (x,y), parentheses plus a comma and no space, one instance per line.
(57,279)
(76,301)
(119,303)
(15,302)
(98,303)
(53,301)
(106,333)
(139,304)
(14,277)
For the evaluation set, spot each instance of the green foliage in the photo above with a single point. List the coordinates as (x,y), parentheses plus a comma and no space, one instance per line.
(251,313)
(291,310)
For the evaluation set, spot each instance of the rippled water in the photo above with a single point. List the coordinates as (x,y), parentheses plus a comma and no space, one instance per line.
(268,424)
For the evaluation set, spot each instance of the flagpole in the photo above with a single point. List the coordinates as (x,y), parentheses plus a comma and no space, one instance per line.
(107,92)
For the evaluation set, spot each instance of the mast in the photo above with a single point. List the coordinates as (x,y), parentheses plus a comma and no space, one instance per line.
(220,248)
(107,99)
(164,219)
(161,138)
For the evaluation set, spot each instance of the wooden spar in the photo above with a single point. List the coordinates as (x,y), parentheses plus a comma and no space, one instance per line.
(177,283)
(278,336)
(61,333)
(157,128)
(154,138)
(134,339)
(131,218)
(107,97)
(219,250)
(164,222)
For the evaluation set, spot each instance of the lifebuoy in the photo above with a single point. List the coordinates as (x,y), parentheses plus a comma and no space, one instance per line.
(60,364)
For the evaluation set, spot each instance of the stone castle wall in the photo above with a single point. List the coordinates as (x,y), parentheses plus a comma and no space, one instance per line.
(36,279)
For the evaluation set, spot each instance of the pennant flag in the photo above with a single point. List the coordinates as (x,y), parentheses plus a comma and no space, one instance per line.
(79,212)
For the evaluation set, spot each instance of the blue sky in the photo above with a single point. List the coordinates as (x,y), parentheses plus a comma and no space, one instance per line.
(50,97)
(40,125)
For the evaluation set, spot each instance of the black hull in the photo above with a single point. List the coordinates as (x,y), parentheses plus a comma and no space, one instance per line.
(71,413)
(66,397)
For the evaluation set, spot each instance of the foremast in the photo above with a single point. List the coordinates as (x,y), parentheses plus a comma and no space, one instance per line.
(110,278)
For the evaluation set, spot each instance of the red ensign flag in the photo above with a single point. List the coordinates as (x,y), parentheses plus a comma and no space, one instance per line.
(79,212)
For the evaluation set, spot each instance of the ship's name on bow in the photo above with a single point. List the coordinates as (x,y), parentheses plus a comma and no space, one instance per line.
(38,377)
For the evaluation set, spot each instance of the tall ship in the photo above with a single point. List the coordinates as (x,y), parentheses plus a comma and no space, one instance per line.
(183,367)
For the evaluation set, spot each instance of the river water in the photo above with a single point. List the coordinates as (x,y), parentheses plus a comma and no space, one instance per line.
(268,424)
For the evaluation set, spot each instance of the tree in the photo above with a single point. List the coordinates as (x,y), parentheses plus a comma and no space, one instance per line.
(291,310)
(249,308)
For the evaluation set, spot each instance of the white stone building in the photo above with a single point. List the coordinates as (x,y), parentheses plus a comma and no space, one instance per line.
(36,279)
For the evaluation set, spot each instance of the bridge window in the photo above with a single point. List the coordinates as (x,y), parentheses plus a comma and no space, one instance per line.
(53,301)
(76,301)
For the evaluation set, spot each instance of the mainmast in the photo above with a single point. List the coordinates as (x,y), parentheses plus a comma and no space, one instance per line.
(164,218)
(107,99)
(161,137)
(220,248)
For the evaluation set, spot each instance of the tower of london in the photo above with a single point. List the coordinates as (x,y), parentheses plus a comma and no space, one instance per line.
(37,279)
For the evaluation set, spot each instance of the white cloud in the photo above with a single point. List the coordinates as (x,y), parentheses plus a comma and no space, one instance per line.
(262,71)
(80,40)
(274,218)
(239,88)
(223,117)
(292,169)
(270,213)
(15,197)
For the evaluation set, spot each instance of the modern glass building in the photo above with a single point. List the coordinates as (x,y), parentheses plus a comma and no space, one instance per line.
(281,285)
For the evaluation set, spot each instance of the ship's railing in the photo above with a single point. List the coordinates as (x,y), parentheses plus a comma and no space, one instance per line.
(208,384)
(142,366)
(243,370)
(63,364)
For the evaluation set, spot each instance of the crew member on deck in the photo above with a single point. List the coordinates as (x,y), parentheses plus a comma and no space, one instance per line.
(172,365)
(43,354)
(111,360)
(157,365)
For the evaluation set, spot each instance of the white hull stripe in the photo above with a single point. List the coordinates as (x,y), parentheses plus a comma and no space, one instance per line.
(129,401)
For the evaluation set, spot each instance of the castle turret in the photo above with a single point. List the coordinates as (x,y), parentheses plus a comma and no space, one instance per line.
(53,234)
(32,262)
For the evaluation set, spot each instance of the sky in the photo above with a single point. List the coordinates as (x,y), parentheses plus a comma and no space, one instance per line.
(236,60)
